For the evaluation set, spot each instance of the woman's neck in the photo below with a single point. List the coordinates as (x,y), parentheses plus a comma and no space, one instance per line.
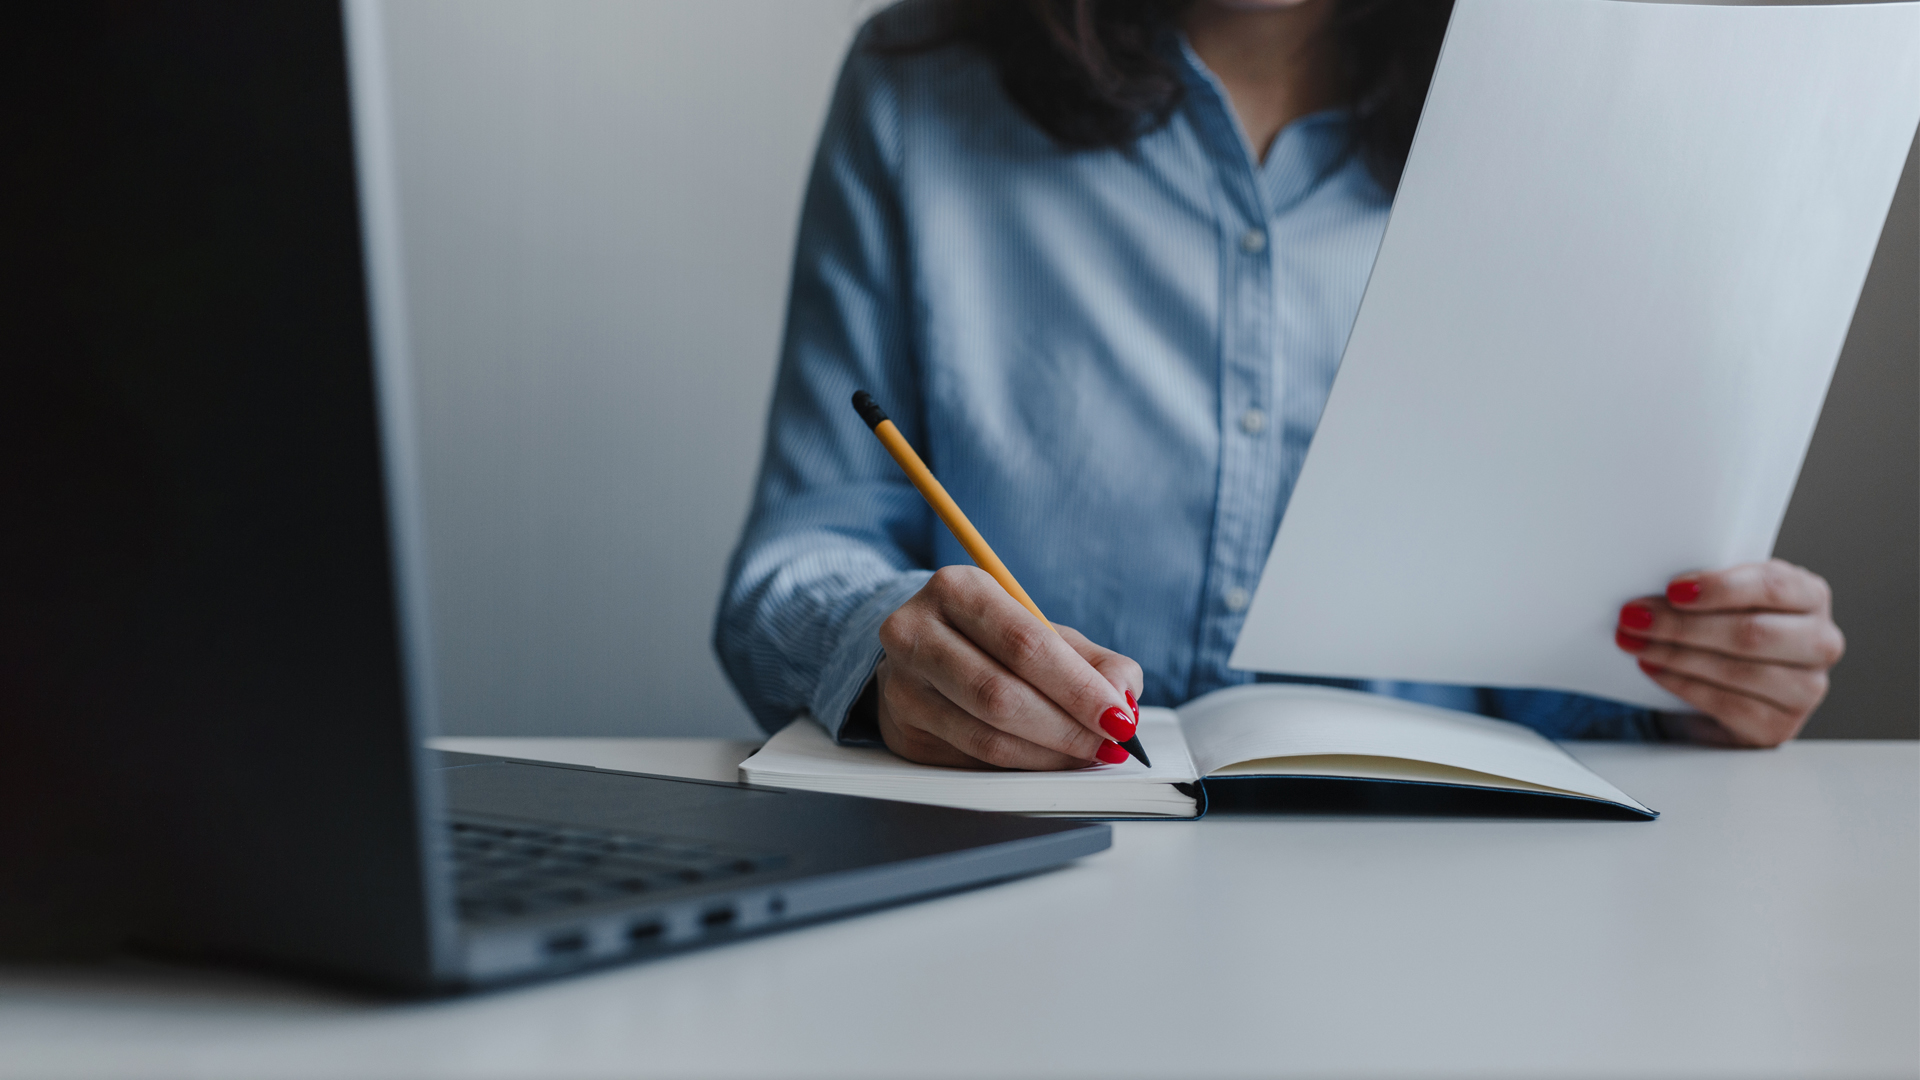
(1274,59)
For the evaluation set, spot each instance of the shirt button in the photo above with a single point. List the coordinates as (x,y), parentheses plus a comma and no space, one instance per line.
(1253,421)
(1253,241)
(1238,599)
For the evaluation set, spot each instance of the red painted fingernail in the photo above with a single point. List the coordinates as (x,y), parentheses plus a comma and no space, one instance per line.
(1636,617)
(1115,723)
(1134,705)
(1651,669)
(1629,642)
(1683,592)
(1111,753)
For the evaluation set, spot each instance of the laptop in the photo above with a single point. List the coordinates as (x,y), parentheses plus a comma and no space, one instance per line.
(213,648)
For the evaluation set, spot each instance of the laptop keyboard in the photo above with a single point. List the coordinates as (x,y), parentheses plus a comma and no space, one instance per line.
(507,871)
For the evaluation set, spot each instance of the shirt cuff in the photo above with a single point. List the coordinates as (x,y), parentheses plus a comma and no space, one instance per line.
(853,659)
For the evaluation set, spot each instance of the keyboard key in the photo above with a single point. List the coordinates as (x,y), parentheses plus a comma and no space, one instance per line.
(507,871)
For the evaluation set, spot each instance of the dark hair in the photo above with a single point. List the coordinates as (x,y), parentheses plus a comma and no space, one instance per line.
(1097,73)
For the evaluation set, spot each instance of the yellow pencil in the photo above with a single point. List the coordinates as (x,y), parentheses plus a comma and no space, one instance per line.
(942,502)
(951,514)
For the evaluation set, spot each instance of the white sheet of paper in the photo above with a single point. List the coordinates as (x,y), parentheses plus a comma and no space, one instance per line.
(1597,337)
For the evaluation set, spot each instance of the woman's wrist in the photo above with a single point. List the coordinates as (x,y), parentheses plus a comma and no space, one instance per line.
(862,727)
(1672,726)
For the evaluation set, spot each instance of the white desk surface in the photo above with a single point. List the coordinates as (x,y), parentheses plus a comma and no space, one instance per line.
(1767,925)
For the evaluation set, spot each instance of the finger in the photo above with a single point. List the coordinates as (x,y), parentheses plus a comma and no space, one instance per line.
(1117,668)
(1748,721)
(955,666)
(1793,689)
(1774,585)
(922,746)
(984,614)
(894,714)
(939,732)
(1810,641)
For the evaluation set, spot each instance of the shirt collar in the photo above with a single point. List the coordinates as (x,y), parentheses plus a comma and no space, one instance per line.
(1305,153)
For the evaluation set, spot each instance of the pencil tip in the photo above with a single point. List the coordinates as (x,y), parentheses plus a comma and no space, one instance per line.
(868,409)
(1132,746)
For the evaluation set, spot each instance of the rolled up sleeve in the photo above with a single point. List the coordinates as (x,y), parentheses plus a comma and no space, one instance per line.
(835,539)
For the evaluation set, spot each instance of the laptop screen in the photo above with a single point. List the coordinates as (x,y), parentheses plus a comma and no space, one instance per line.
(201,683)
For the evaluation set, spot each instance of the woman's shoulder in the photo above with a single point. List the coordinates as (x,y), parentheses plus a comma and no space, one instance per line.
(909,25)
(914,54)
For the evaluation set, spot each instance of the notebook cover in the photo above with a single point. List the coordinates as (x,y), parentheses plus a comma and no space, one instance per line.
(1348,795)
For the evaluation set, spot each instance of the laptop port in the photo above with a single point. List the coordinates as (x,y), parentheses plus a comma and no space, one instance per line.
(719,917)
(642,932)
(567,943)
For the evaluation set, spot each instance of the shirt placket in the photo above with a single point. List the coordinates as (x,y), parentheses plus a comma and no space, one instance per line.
(1248,478)
(1249,474)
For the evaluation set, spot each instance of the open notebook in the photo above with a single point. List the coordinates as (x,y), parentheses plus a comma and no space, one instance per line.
(1239,742)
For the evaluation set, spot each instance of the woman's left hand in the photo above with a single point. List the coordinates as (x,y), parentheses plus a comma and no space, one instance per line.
(1749,647)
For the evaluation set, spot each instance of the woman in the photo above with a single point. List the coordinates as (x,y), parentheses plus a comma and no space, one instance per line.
(1098,260)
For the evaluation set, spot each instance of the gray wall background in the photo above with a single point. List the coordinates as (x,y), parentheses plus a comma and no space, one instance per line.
(598,203)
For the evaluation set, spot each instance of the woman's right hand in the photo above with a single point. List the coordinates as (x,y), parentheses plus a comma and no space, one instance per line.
(970,679)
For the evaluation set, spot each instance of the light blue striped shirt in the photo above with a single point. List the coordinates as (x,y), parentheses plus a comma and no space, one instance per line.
(1114,360)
